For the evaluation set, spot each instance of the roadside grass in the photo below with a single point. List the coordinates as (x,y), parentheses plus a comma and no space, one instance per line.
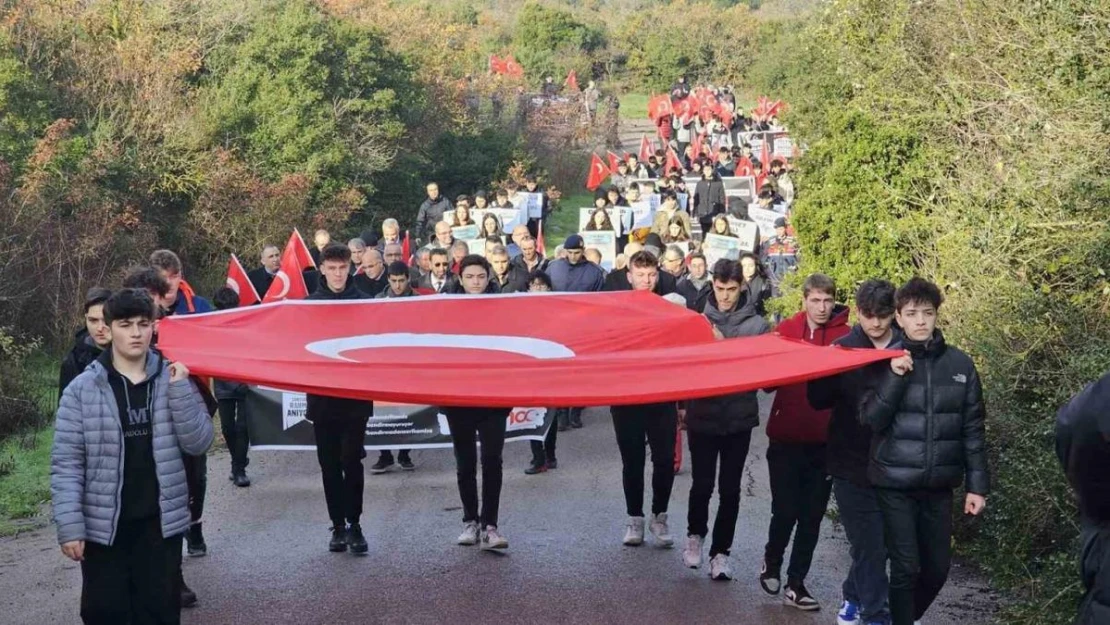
(634,106)
(25,456)
(564,222)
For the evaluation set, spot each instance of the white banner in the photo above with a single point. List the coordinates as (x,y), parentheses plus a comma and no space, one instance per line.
(747,232)
(716,247)
(530,204)
(584,217)
(510,217)
(605,242)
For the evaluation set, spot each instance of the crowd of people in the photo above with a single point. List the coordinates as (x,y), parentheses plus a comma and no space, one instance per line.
(893,440)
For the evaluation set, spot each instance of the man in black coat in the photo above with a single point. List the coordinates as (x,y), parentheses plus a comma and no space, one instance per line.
(1083,446)
(340,424)
(439,279)
(849,444)
(90,341)
(927,419)
(709,197)
(696,286)
(431,212)
(263,276)
(509,277)
(721,427)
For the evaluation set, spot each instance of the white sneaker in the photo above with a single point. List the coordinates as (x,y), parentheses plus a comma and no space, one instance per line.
(691,555)
(719,568)
(469,534)
(634,535)
(492,539)
(661,531)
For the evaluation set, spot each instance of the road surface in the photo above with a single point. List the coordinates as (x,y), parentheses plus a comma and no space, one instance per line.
(268,560)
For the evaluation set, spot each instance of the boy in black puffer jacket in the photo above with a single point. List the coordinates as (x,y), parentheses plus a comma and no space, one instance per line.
(926,415)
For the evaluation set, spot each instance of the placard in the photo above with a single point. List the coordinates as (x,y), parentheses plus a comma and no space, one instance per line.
(740,186)
(476,246)
(747,232)
(584,217)
(642,214)
(765,219)
(784,147)
(465,233)
(530,204)
(716,247)
(606,242)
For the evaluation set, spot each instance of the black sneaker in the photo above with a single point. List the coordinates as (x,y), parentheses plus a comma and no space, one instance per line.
(535,468)
(241,479)
(338,539)
(188,597)
(769,580)
(552,464)
(407,465)
(797,596)
(381,466)
(576,422)
(356,540)
(194,541)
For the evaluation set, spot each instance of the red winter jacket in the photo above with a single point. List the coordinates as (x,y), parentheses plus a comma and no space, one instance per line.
(793,420)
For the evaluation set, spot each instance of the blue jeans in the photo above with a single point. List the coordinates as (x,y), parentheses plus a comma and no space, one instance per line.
(866,585)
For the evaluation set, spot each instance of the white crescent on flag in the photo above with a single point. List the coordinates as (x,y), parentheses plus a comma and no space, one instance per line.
(233,285)
(523,345)
(281,275)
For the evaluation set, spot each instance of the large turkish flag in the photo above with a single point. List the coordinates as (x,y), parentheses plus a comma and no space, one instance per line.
(558,349)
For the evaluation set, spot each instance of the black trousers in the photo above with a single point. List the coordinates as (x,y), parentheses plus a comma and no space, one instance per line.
(917,525)
(469,426)
(233,422)
(544,451)
(133,581)
(567,416)
(196,480)
(800,491)
(387,455)
(732,450)
(339,448)
(658,425)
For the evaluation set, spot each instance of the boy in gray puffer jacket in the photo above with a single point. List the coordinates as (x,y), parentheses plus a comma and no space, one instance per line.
(116,474)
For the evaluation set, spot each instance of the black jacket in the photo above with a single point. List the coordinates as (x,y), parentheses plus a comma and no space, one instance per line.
(928,425)
(1083,446)
(431,212)
(325,408)
(617,280)
(709,197)
(456,288)
(516,280)
(849,442)
(760,288)
(370,287)
(518,261)
(695,298)
(736,412)
(261,279)
(81,355)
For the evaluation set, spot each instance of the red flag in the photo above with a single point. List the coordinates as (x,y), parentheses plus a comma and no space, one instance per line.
(686,109)
(572,80)
(698,150)
(646,149)
(558,349)
(598,173)
(238,281)
(289,281)
(673,164)
(540,247)
(744,167)
(614,160)
(300,249)
(406,249)
(496,65)
(660,106)
(765,157)
(512,68)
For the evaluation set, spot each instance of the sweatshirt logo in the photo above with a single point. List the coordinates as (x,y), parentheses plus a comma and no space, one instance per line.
(961,378)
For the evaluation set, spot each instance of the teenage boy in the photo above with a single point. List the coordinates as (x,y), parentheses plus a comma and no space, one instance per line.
(116,474)
(90,341)
(399,286)
(340,424)
(926,415)
(849,443)
(232,400)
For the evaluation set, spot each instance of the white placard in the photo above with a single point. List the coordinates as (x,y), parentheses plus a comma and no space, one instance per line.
(747,232)
(510,217)
(584,217)
(716,247)
(605,242)
(529,203)
(465,233)
(765,219)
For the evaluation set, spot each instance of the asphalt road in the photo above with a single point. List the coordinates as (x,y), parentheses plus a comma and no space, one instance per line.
(268,560)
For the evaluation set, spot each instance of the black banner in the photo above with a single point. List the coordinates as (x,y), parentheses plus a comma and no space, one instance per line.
(276,421)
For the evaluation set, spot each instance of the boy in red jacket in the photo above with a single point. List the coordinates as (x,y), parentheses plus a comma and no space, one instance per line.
(796,455)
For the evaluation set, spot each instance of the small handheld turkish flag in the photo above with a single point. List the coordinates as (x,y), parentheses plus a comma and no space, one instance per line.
(646,149)
(673,164)
(744,167)
(614,160)
(598,173)
(572,80)
(300,249)
(289,281)
(238,281)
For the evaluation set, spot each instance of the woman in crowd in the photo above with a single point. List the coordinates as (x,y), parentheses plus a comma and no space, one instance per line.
(461,216)
(721,228)
(491,227)
(755,281)
(599,221)
(676,231)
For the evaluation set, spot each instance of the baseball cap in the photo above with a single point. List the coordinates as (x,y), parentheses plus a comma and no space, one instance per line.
(780,222)
(574,242)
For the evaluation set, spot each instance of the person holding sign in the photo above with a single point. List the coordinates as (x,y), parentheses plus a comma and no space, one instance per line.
(721,427)
(469,426)
(696,286)
(531,186)
(676,232)
(461,216)
(491,228)
(721,227)
(709,196)
(481,200)
(755,280)
(668,210)
(599,221)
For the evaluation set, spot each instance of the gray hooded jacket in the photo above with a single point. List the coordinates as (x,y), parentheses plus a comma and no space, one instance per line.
(86,464)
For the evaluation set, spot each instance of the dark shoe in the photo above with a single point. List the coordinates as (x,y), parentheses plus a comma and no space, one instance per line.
(796,596)
(356,540)
(241,479)
(535,468)
(576,422)
(338,539)
(563,427)
(194,541)
(407,465)
(769,580)
(188,597)
(552,464)
(381,466)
